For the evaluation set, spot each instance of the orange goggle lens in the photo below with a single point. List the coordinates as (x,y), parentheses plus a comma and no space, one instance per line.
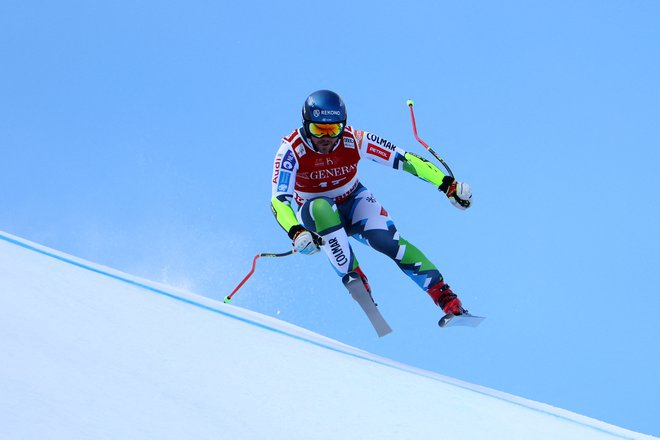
(320,130)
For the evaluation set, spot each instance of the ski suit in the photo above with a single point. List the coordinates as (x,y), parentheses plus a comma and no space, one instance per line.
(322,192)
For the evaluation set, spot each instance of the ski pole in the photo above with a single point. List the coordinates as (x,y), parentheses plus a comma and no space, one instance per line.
(412,116)
(254,264)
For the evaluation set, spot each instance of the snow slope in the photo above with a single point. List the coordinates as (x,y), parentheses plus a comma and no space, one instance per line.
(92,353)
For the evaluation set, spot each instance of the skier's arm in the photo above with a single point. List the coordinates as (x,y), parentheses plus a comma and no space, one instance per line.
(283,179)
(459,193)
(425,170)
(283,184)
(382,151)
(305,242)
(283,212)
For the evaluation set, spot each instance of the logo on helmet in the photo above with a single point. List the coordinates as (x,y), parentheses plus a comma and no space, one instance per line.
(317,113)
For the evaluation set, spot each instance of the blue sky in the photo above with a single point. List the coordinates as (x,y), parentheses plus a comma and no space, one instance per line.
(141,135)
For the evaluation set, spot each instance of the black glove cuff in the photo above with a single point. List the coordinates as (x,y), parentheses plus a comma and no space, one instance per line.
(446,183)
(294,230)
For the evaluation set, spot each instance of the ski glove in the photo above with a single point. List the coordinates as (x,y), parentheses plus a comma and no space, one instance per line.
(459,193)
(306,242)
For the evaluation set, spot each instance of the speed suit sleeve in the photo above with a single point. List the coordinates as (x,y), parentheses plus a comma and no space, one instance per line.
(285,167)
(380,150)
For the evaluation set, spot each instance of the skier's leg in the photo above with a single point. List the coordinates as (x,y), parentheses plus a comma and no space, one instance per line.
(371,224)
(320,215)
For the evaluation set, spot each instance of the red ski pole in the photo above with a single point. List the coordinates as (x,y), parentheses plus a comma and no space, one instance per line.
(412,116)
(254,264)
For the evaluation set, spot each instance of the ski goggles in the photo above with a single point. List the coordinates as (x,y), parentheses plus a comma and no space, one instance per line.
(319,130)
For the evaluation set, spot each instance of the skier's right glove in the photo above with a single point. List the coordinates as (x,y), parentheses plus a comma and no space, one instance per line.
(304,241)
(459,194)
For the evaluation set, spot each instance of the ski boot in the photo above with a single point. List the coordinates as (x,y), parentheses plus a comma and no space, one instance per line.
(446,299)
(364,279)
(455,314)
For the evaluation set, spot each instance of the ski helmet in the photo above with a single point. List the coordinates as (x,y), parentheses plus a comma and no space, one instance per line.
(325,107)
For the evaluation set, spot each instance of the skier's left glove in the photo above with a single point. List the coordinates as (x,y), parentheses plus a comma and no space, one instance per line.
(306,242)
(459,193)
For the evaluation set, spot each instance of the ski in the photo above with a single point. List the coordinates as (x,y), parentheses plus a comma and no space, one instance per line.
(358,291)
(464,320)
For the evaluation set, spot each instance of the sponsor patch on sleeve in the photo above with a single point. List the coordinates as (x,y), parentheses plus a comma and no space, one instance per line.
(359,134)
(383,143)
(283,182)
(289,161)
(378,151)
(276,167)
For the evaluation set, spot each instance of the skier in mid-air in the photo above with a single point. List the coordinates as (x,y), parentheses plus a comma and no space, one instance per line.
(319,201)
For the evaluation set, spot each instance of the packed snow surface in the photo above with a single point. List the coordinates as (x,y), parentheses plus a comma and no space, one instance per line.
(92,353)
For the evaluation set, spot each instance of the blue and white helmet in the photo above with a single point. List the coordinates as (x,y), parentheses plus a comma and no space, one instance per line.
(325,107)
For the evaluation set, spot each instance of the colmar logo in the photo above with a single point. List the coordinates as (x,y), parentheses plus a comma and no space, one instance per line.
(337,252)
(380,141)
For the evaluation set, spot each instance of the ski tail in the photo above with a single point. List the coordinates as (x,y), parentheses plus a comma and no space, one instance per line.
(355,285)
